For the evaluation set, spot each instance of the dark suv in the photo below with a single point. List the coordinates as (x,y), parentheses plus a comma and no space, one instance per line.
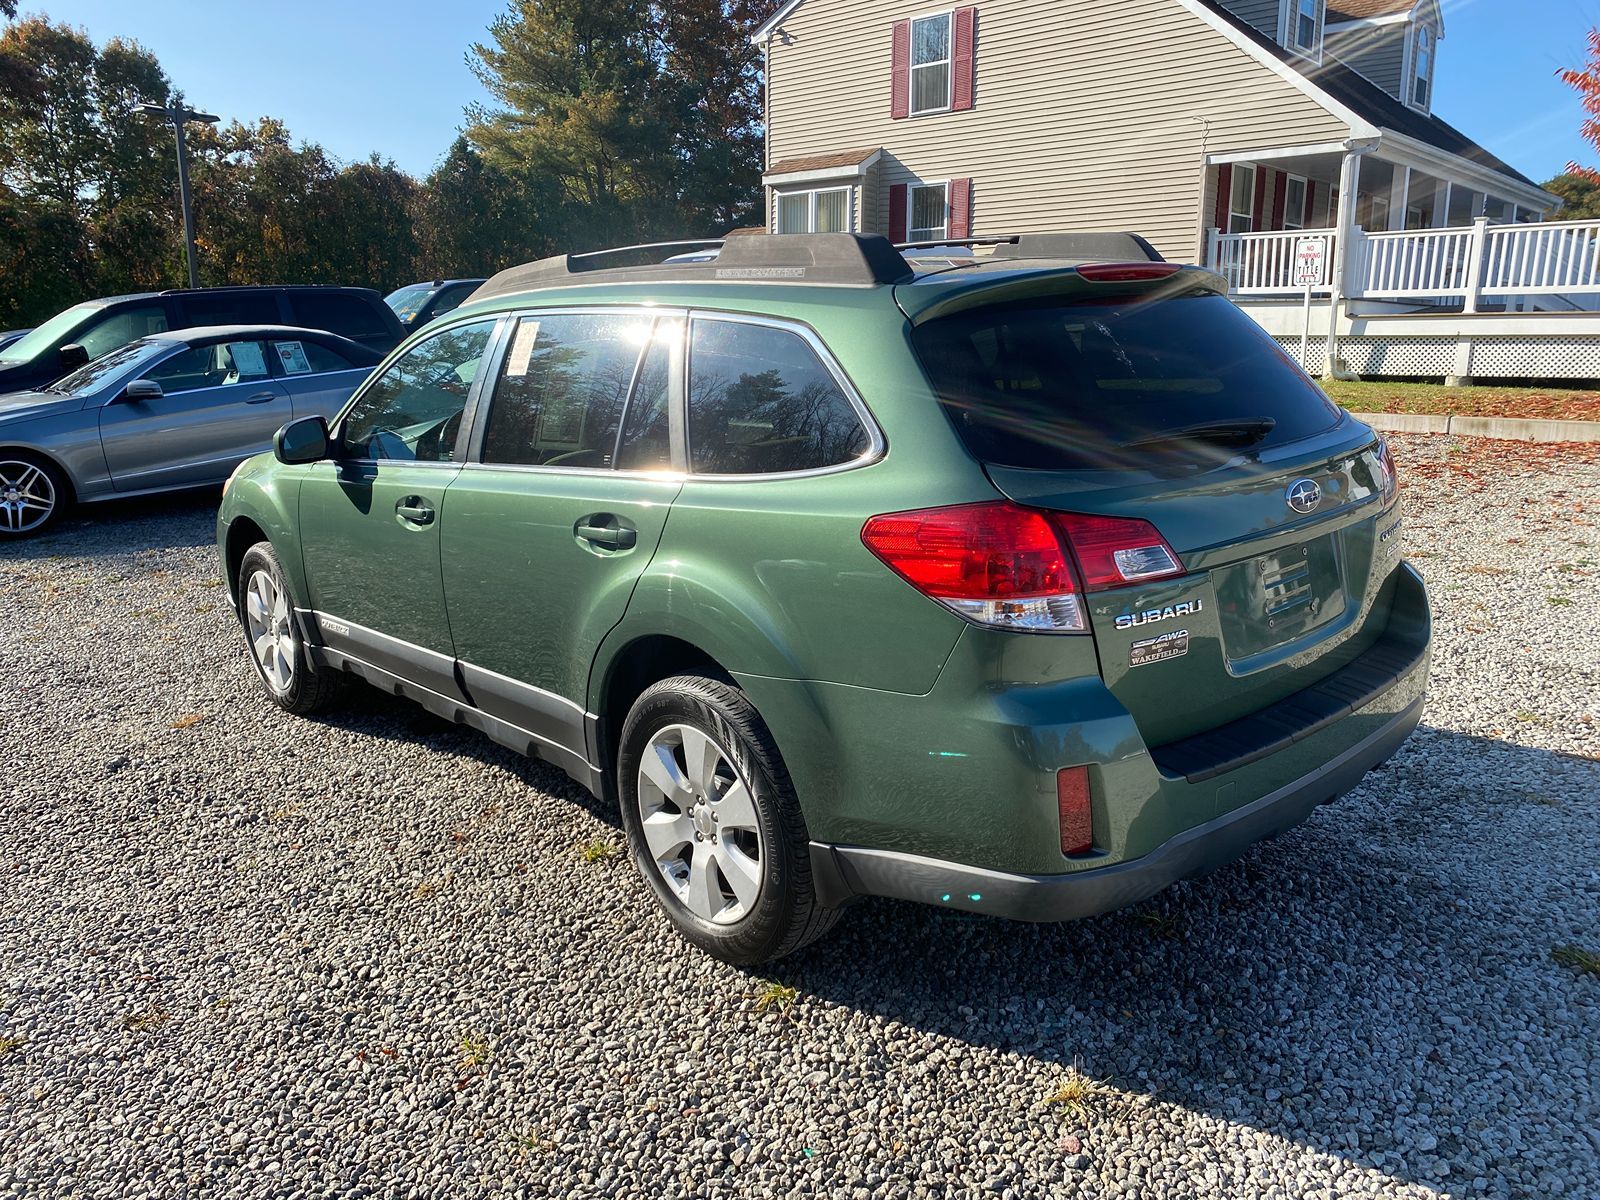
(94,328)
(1024,583)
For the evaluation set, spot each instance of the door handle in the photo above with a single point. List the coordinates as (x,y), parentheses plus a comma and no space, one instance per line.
(612,537)
(414,510)
(261,397)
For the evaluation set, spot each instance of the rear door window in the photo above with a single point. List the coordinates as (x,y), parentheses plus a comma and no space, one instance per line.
(300,357)
(1113,383)
(122,327)
(762,402)
(563,384)
(337,312)
(199,309)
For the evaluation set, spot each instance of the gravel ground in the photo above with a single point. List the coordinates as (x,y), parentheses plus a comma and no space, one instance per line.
(247,955)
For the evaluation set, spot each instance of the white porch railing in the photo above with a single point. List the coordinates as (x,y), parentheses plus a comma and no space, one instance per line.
(1262,264)
(1552,259)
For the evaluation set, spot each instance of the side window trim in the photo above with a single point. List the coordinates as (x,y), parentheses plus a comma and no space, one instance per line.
(676,386)
(470,408)
(877,446)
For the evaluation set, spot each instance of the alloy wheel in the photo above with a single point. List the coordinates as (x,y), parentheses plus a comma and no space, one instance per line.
(699,822)
(271,630)
(27,496)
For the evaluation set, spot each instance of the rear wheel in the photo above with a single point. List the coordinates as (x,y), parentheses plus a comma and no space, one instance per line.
(714,824)
(33,494)
(266,610)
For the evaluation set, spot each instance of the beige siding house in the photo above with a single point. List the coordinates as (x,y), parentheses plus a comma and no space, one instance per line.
(1188,121)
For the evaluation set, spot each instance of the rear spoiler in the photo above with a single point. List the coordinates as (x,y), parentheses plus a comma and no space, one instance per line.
(959,290)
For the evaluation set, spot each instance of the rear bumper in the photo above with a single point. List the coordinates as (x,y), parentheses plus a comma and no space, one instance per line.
(844,872)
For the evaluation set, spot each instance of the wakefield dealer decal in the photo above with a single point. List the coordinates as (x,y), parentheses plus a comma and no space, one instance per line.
(1159,649)
(1186,608)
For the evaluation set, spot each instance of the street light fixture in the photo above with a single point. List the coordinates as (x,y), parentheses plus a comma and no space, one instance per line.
(178,117)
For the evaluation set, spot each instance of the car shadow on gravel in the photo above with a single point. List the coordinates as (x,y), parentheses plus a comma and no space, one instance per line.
(172,521)
(1350,986)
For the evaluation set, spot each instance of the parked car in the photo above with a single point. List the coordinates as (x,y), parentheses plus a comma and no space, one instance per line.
(418,303)
(94,328)
(11,335)
(1026,584)
(174,410)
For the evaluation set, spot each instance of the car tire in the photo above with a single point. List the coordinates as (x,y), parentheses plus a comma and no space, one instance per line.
(273,637)
(713,822)
(34,495)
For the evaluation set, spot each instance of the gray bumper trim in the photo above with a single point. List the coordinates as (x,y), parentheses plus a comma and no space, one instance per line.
(843,872)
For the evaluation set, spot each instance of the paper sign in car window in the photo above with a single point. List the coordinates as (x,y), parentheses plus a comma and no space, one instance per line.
(293,356)
(522,350)
(248,360)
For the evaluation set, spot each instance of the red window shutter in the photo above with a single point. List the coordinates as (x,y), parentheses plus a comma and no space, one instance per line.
(900,63)
(1279,198)
(1260,209)
(964,39)
(960,201)
(898,195)
(1224,187)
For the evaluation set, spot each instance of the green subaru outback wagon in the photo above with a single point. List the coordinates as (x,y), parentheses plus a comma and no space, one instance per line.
(1024,582)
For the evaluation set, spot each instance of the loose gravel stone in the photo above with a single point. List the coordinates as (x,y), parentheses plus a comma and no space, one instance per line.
(243,954)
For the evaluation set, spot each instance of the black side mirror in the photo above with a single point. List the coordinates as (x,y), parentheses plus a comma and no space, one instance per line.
(302,441)
(73,356)
(141,390)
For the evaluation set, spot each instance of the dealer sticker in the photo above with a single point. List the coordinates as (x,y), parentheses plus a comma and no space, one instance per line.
(1159,649)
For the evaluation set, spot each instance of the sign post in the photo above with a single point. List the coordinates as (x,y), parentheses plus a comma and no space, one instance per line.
(1310,270)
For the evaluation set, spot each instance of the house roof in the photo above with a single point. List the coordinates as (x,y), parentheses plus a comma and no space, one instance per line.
(821,162)
(1365,10)
(1371,103)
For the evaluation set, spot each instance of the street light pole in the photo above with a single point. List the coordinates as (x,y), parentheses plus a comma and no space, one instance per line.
(179,117)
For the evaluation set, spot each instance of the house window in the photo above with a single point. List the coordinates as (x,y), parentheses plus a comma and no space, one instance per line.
(826,210)
(930,214)
(930,64)
(1242,199)
(1422,68)
(1308,25)
(1294,202)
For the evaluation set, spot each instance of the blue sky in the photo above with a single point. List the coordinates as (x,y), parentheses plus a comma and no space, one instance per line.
(362,75)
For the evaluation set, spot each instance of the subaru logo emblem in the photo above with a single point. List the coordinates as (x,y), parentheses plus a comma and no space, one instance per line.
(1304,495)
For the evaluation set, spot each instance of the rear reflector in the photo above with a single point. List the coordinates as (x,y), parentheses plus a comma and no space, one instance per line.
(1077,815)
(1114,551)
(997,564)
(1127,272)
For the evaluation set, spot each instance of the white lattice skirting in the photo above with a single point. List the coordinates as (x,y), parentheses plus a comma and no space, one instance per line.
(1530,357)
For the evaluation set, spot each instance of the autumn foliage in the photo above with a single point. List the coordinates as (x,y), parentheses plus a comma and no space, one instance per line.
(1585,80)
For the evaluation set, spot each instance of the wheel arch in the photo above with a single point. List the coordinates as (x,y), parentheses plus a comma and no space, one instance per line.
(45,456)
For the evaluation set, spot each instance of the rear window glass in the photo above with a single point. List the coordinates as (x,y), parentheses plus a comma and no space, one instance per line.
(348,316)
(200,309)
(1090,385)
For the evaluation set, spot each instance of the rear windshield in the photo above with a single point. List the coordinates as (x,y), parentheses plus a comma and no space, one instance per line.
(1095,384)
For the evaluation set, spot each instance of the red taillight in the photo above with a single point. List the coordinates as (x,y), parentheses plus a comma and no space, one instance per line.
(1127,272)
(1000,564)
(1115,551)
(1077,814)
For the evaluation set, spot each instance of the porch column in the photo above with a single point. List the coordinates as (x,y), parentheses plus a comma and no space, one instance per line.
(1441,204)
(1344,229)
(1399,197)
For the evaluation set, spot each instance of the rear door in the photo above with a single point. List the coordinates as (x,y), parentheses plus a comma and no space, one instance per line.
(220,406)
(1177,410)
(560,509)
(371,517)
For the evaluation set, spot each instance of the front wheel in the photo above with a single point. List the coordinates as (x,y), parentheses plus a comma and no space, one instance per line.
(714,824)
(266,610)
(33,495)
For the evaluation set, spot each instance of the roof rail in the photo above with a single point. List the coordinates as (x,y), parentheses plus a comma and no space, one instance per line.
(850,259)
(1080,247)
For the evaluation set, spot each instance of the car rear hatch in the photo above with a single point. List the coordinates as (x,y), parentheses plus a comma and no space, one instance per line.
(1141,394)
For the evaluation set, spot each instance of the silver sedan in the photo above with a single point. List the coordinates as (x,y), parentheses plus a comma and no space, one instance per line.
(177,410)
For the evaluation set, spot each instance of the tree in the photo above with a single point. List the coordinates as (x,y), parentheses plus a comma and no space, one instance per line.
(1580,195)
(472,217)
(1585,80)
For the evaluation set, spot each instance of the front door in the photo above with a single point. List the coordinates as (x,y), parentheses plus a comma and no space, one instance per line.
(559,511)
(220,406)
(372,516)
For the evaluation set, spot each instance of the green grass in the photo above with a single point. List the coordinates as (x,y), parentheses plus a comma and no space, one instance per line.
(598,850)
(9,1045)
(476,1050)
(1437,400)
(147,1021)
(1579,959)
(776,997)
(1078,1093)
